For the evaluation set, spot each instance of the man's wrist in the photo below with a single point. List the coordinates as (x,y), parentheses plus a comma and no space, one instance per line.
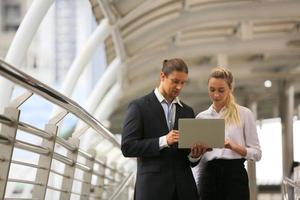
(163,142)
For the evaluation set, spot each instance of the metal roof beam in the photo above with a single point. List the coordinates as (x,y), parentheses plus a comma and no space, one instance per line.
(245,12)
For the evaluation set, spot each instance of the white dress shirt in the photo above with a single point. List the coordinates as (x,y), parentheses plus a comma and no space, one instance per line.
(167,107)
(244,134)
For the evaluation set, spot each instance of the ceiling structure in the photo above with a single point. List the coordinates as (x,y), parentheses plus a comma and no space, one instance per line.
(257,40)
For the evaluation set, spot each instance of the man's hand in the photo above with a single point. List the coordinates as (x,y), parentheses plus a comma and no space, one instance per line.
(172,137)
(198,150)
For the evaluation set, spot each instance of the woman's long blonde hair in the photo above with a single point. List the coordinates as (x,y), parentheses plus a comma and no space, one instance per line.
(230,114)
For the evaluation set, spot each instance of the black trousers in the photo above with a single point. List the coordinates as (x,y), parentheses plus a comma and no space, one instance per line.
(224,180)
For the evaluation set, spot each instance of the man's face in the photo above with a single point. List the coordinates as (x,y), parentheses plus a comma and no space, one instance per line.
(172,84)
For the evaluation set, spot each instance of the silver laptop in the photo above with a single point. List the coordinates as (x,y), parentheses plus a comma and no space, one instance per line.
(206,131)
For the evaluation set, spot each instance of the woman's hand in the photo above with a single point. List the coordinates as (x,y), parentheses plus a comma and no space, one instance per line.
(198,150)
(228,144)
(235,147)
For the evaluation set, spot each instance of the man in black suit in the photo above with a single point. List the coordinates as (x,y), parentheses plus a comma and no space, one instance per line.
(150,134)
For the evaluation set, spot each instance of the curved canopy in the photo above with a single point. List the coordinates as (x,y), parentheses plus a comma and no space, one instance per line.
(256,40)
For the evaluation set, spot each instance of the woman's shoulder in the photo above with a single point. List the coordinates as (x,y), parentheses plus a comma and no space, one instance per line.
(244,110)
(203,114)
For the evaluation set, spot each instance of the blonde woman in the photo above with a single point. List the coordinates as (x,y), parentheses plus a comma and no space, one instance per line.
(221,172)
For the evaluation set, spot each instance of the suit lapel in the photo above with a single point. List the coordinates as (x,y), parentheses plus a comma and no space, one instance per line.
(157,110)
(179,113)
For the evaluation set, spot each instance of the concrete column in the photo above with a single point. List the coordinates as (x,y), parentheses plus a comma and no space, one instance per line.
(286,114)
(298,112)
(245,30)
(222,60)
(251,166)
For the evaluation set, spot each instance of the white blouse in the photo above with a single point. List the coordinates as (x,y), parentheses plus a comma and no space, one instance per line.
(244,134)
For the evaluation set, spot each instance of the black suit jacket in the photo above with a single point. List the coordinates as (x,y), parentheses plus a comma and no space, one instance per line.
(160,173)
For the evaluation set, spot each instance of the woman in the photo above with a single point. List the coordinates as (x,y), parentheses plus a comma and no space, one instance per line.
(222,175)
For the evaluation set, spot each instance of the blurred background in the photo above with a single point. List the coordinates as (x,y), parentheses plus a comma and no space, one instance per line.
(104,53)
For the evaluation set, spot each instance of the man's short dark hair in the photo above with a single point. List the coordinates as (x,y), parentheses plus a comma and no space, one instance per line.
(174,64)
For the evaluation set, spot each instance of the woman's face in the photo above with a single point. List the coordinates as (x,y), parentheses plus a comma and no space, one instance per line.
(218,91)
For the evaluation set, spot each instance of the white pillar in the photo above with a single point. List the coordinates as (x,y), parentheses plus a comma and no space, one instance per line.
(105,82)
(251,165)
(21,42)
(286,114)
(222,60)
(103,112)
(298,112)
(109,103)
(83,58)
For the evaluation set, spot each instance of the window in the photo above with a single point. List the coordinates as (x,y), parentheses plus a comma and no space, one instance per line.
(11,14)
(269,168)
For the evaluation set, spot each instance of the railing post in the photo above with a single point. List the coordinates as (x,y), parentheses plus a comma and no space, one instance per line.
(45,161)
(6,152)
(121,186)
(297,181)
(251,165)
(114,174)
(42,175)
(101,179)
(69,171)
(131,188)
(119,176)
(107,180)
(87,176)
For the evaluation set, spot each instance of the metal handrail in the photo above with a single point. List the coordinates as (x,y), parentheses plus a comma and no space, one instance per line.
(88,156)
(291,182)
(63,159)
(4,139)
(101,163)
(17,76)
(28,164)
(71,147)
(19,198)
(41,133)
(23,181)
(31,147)
(33,130)
(288,182)
(125,183)
(104,176)
(83,167)
(25,127)
(5,120)
(57,189)
(60,174)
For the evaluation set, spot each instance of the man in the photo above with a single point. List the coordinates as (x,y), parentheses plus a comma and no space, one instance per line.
(150,134)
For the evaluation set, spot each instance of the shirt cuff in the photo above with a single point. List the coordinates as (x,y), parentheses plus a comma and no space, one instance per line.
(163,142)
(193,160)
